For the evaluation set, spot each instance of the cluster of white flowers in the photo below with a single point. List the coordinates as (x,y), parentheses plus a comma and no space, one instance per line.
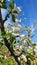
(15,30)
(17,21)
(23,57)
(18,9)
(1,0)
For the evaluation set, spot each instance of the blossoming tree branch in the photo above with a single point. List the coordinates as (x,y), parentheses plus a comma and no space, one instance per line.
(22,49)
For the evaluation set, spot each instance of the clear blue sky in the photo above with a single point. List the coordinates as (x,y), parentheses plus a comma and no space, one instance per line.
(29,7)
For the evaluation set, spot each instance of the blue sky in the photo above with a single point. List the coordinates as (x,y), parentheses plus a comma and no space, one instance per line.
(29,8)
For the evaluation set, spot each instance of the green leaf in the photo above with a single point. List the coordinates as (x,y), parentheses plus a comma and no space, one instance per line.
(3,4)
(12,40)
(1,56)
(13,18)
(1,44)
(12,6)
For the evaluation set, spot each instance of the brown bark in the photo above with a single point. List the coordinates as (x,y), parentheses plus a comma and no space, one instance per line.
(6,41)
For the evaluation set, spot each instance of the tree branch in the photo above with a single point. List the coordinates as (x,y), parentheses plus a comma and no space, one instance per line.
(6,17)
(6,41)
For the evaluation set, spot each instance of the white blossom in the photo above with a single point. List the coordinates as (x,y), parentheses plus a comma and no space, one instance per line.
(15,34)
(36,46)
(16,29)
(19,25)
(21,47)
(17,46)
(19,58)
(5,57)
(24,41)
(17,21)
(22,35)
(23,57)
(1,0)
(18,9)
